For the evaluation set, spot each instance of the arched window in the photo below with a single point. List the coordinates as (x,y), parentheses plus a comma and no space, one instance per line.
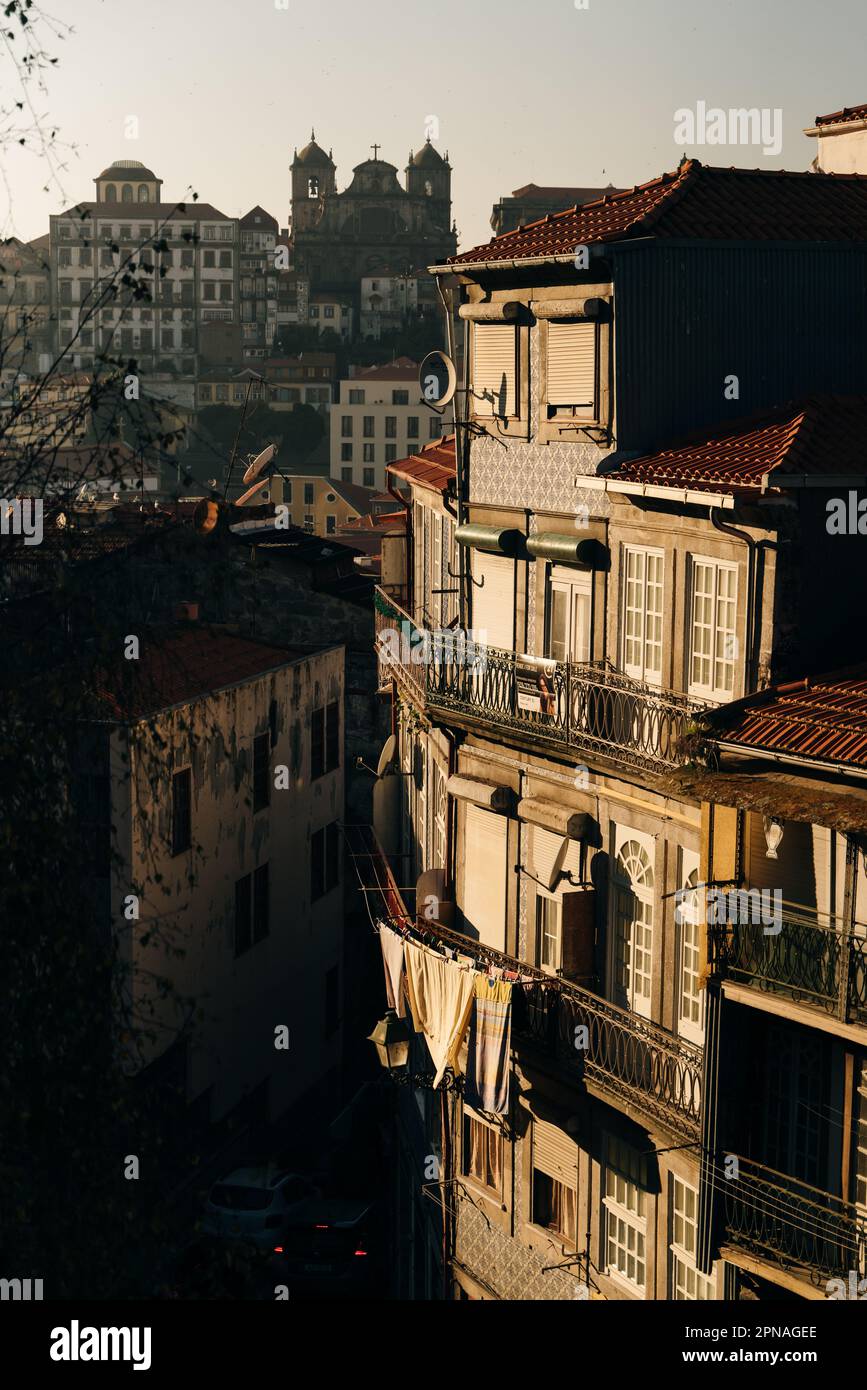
(313,186)
(632,902)
(110,193)
(143,193)
(126,193)
(428,188)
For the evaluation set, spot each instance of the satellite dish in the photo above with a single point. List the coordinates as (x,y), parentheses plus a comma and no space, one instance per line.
(251,491)
(255,468)
(557,866)
(437,379)
(387,756)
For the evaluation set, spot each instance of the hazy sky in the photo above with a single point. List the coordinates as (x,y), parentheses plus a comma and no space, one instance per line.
(540,92)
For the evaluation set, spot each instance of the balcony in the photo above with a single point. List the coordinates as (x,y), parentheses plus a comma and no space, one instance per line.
(803,1229)
(821,966)
(621,1055)
(586,710)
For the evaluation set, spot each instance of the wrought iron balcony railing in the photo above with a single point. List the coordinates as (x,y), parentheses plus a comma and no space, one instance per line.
(793,1224)
(823,966)
(579,709)
(626,1056)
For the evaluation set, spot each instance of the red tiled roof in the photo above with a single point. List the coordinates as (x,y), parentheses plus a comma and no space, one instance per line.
(532,192)
(823,718)
(134,212)
(432,467)
(820,435)
(848,113)
(184,665)
(401,369)
(698,201)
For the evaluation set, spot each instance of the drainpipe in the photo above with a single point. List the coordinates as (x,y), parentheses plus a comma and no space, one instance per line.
(752,597)
(407,508)
(461,445)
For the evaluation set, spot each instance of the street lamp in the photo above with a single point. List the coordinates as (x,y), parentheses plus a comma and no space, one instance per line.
(390,1037)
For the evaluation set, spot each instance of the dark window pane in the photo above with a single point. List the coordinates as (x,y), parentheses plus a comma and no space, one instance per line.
(332,734)
(243,906)
(181,811)
(317,865)
(260,903)
(317,743)
(261,780)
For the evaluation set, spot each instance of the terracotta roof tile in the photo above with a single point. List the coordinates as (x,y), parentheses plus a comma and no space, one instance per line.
(432,467)
(823,718)
(698,202)
(190,662)
(820,435)
(848,113)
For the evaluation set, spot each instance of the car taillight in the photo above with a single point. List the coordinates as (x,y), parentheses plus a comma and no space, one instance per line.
(320,1228)
(360,1252)
(278,1249)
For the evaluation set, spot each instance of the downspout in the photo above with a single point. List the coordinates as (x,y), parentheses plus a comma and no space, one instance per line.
(407,508)
(728,530)
(461,444)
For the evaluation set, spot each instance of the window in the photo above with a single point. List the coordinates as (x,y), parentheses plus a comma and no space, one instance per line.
(346,474)
(412,427)
(243,914)
(689,997)
(346,426)
(367,477)
(126,193)
(400,398)
(324,861)
(308,494)
(346,455)
(261,903)
(632,906)
(369,427)
(554,1206)
(186,260)
(332,1001)
(642,614)
(308,521)
(356,397)
(209,289)
(482,1152)
(329,311)
(225,291)
(65,256)
(390,427)
(325,740)
(571,369)
(225,260)
(712,640)
(569,609)
(494,359)
(548,929)
(369,453)
(209,259)
(390,453)
(684,1281)
(261,772)
(435,427)
(287,490)
(330,525)
(624,1223)
(182,832)
(314,311)
(110,193)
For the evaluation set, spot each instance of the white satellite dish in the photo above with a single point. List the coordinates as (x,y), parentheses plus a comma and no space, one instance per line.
(557,866)
(255,468)
(437,380)
(387,756)
(251,492)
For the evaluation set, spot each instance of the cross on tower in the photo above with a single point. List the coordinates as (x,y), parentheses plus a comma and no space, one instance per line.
(375,149)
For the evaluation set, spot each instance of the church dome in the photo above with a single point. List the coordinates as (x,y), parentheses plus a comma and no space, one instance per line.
(313,153)
(427,157)
(127,168)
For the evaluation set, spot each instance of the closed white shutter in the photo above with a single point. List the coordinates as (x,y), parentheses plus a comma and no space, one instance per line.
(484,900)
(494,600)
(544,847)
(555,1153)
(494,368)
(572,364)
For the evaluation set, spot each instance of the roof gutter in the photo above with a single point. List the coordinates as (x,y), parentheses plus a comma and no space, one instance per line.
(791,759)
(837,128)
(686,496)
(801,480)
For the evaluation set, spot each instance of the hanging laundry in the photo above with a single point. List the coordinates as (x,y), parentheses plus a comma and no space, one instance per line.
(487,1085)
(440,996)
(392,959)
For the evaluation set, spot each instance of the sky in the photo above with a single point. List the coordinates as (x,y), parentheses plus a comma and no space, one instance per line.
(222,91)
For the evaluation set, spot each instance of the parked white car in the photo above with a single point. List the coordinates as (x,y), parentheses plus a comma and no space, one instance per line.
(253,1204)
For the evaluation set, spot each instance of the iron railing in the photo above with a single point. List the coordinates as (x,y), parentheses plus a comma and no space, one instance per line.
(824,966)
(397,638)
(791,1223)
(624,1055)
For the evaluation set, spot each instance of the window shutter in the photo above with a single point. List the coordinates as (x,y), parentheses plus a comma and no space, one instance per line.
(484,900)
(572,364)
(494,368)
(578,918)
(555,1153)
(494,600)
(545,845)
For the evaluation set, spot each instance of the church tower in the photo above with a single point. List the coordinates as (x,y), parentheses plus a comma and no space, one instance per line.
(313,177)
(429,175)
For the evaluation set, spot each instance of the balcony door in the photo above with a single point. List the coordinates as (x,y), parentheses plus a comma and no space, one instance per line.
(494,600)
(794,1110)
(690,999)
(632,895)
(641,614)
(569,616)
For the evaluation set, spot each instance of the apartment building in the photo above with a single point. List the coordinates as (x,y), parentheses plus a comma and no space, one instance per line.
(378,418)
(258,281)
(25,307)
(215,785)
(280,382)
(331,312)
(135,276)
(326,505)
(635,533)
